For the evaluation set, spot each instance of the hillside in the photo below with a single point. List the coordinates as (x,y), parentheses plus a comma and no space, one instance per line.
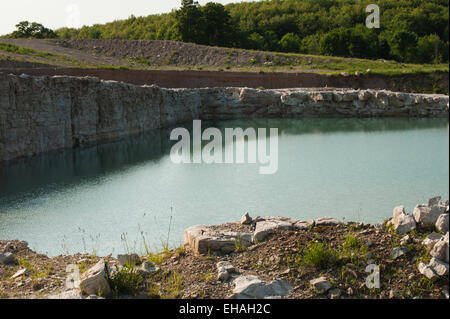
(171,55)
(410,31)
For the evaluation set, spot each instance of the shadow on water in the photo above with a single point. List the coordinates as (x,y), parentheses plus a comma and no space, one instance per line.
(70,167)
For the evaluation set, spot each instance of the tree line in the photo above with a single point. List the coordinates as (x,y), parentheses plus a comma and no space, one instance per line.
(413,31)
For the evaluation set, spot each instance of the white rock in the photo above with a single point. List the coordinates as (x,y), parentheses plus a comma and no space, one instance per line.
(204,240)
(439,267)
(441,249)
(427,216)
(93,281)
(224,270)
(404,223)
(321,284)
(226,266)
(246,219)
(431,240)
(399,210)
(20,272)
(265,228)
(427,272)
(442,223)
(251,287)
(327,221)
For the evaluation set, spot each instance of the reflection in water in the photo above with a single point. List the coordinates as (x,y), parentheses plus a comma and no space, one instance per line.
(372,162)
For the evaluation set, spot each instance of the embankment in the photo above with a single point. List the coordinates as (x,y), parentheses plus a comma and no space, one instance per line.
(41,114)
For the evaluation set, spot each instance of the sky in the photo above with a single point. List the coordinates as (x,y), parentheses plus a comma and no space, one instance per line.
(55,14)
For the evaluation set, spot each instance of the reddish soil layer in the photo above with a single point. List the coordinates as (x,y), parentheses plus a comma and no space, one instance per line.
(195,79)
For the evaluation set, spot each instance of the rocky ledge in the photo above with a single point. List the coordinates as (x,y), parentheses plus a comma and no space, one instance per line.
(42,114)
(261,257)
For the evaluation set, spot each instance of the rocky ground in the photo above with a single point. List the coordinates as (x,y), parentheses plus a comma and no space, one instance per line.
(271,257)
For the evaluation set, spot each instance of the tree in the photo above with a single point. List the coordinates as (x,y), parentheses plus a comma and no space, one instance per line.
(403,45)
(290,43)
(26,29)
(428,49)
(189,22)
(217,25)
(335,43)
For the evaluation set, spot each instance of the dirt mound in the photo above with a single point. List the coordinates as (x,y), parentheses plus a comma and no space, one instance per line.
(158,52)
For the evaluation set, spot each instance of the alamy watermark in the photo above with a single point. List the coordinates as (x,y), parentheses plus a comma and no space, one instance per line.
(373,19)
(261,148)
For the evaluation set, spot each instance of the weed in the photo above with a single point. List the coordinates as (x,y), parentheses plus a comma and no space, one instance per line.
(318,255)
(125,281)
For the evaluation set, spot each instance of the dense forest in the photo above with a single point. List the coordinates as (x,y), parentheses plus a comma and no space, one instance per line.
(410,31)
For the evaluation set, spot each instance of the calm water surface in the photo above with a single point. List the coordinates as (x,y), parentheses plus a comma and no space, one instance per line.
(103,199)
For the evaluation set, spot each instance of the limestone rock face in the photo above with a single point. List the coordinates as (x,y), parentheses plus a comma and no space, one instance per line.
(41,114)
(93,281)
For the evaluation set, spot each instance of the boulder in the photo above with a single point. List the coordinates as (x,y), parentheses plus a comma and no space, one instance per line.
(304,224)
(270,225)
(398,251)
(321,285)
(251,287)
(204,240)
(399,210)
(94,282)
(128,259)
(327,221)
(403,223)
(439,267)
(434,201)
(224,270)
(431,240)
(427,216)
(428,272)
(6,258)
(246,219)
(440,250)
(442,223)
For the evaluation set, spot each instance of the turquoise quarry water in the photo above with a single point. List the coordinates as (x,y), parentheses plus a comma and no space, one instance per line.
(103,199)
